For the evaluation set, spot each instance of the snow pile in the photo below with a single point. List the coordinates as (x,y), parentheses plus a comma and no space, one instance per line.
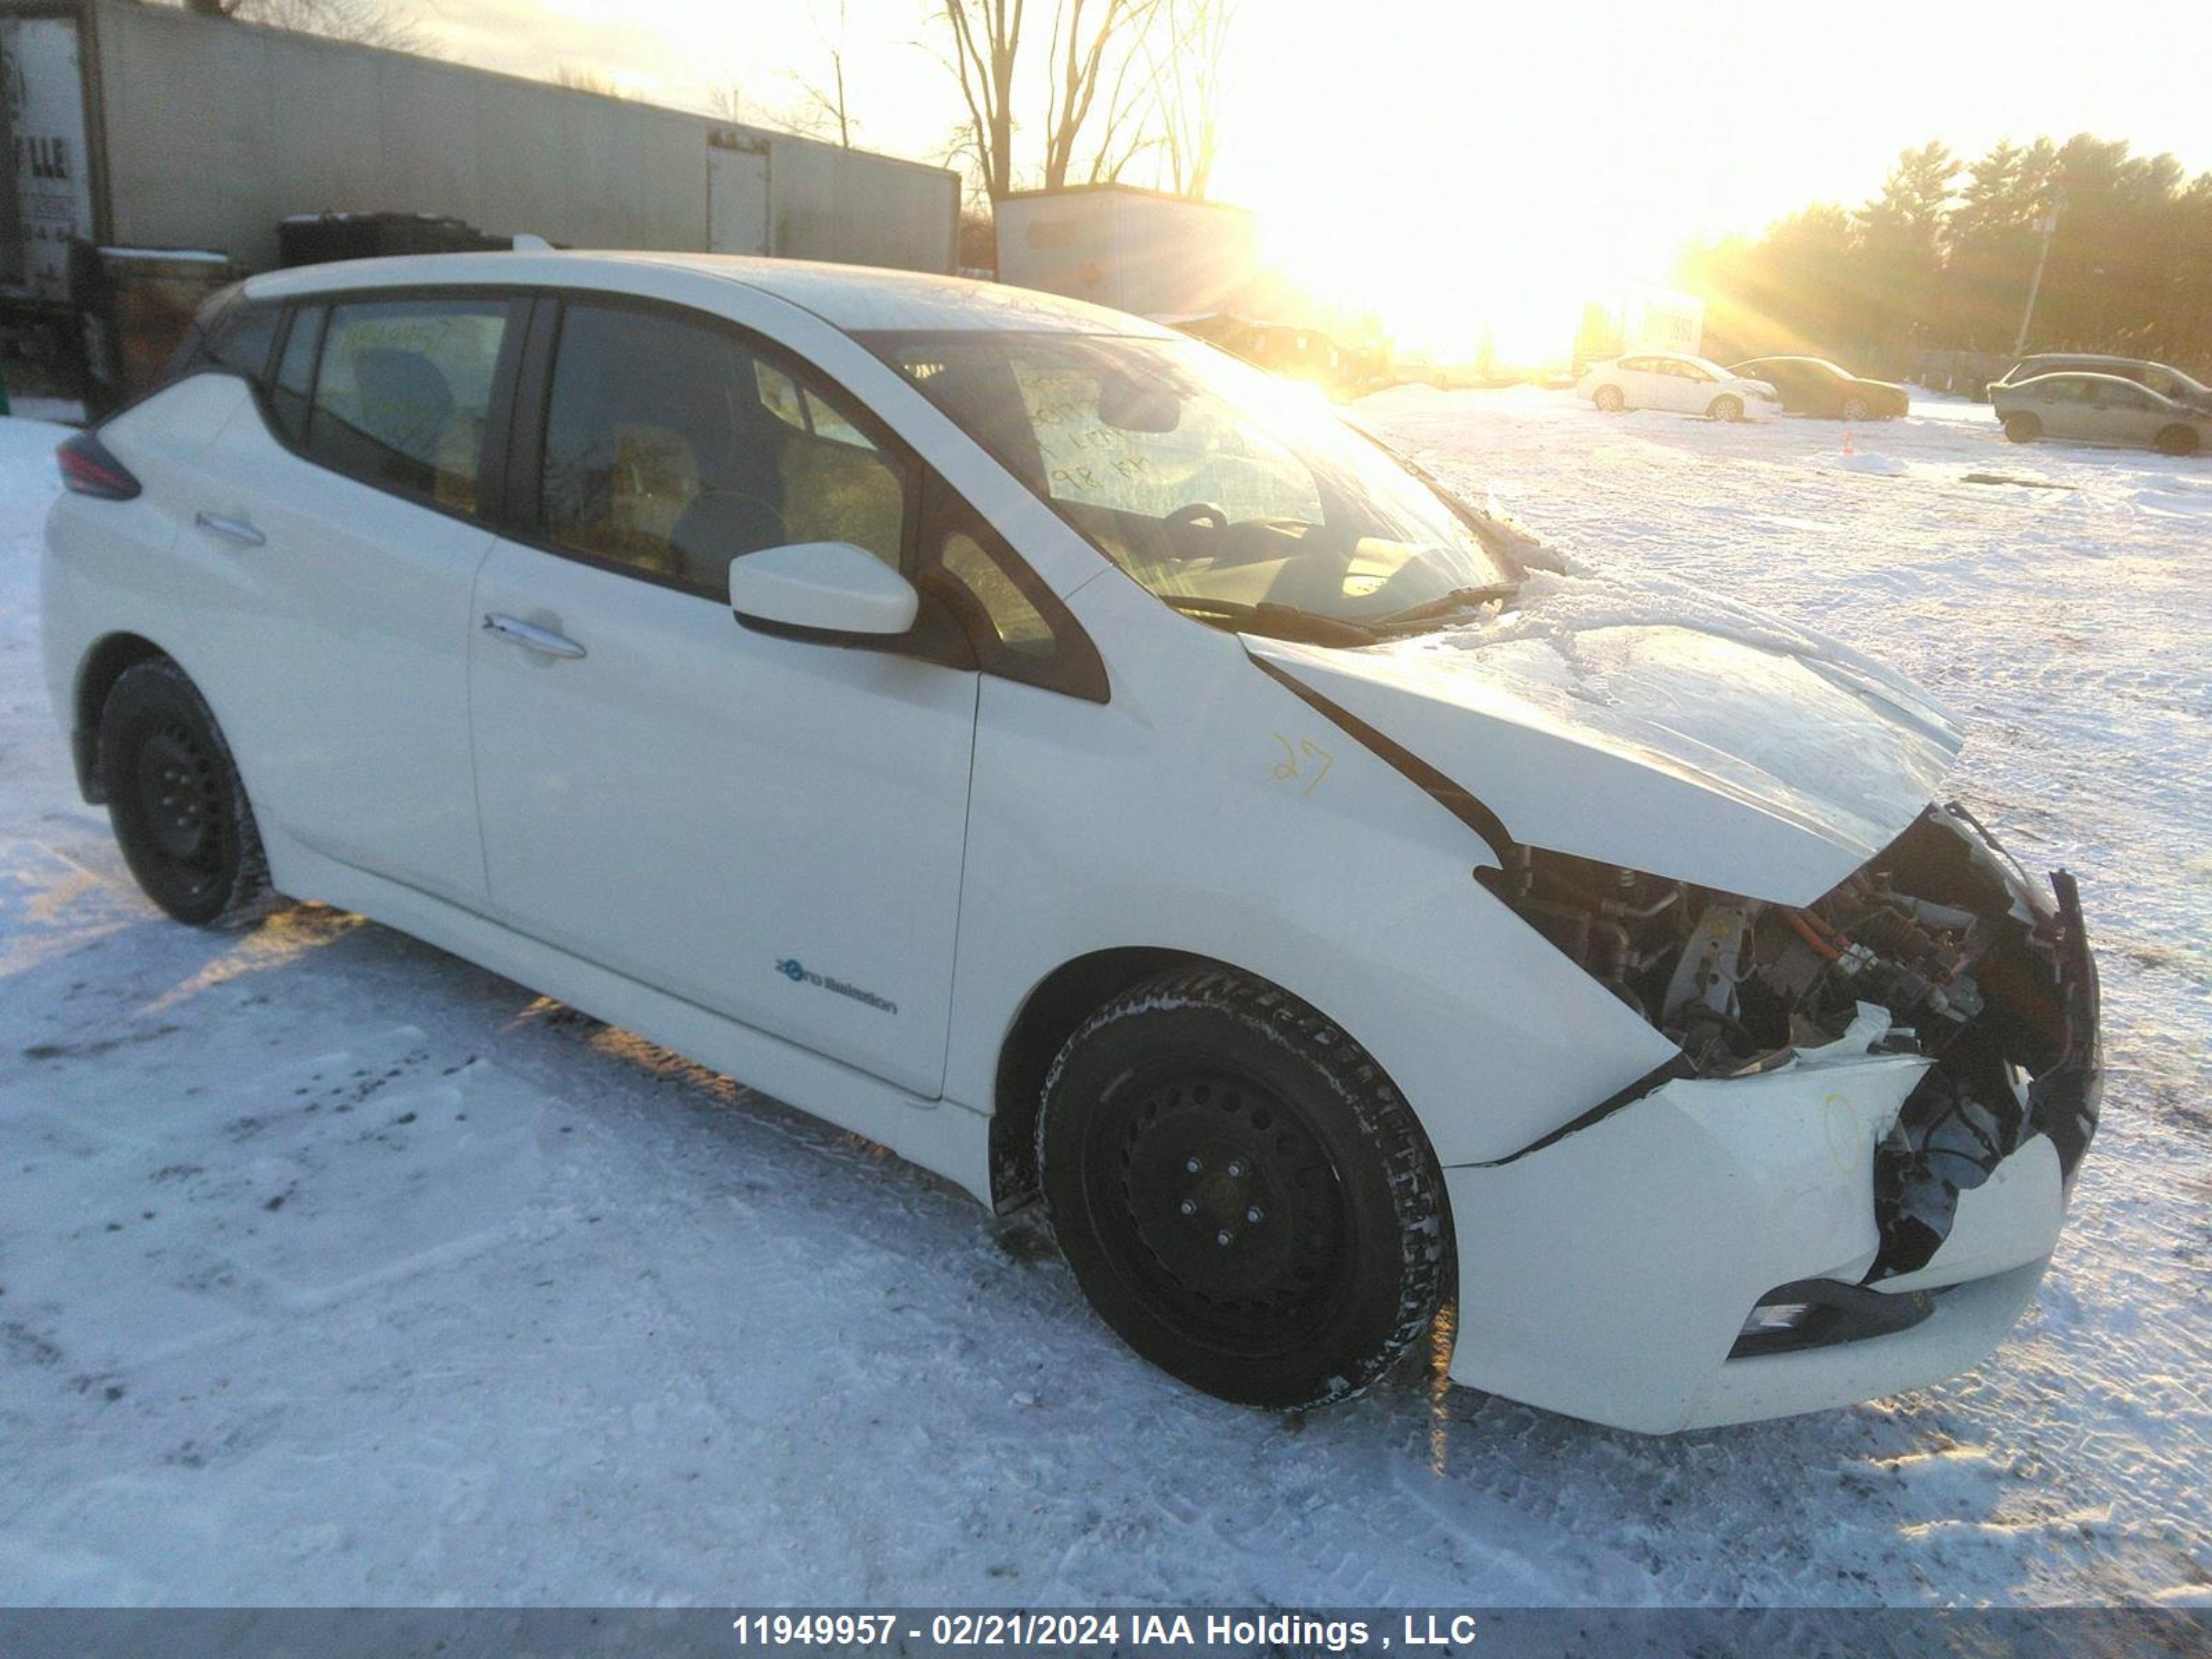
(333,1269)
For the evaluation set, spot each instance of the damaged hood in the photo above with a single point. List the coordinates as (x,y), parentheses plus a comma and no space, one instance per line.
(1658,727)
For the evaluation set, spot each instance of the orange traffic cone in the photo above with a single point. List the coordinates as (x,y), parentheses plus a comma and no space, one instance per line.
(1850,448)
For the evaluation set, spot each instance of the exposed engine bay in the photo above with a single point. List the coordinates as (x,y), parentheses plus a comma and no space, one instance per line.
(1975,969)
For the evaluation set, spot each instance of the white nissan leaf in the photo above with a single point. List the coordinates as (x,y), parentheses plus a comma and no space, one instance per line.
(1029,738)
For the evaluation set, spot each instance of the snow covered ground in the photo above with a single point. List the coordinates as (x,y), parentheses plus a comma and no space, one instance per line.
(335,1270)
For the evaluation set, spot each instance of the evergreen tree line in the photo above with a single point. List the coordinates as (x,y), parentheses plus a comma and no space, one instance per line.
(1942,259)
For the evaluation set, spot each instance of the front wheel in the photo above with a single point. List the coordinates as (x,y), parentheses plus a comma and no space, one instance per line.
(1858,410)
(1609,400)
(174,795)
(2178,440)
(1242,1194)
(2022,429)
(1727,408)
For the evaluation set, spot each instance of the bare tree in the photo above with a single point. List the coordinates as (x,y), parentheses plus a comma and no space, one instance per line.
(1091,47)
(389,23)
(986,38)
(828,99)
(1082,54)
(731,102)
(1186,86)
(582,77)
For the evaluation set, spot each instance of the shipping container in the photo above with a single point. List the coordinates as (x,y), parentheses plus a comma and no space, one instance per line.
(1142,251)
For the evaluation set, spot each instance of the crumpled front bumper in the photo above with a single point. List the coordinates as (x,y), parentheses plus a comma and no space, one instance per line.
(1609,1273)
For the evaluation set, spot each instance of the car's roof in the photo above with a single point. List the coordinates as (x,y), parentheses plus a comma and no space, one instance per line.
(2081,374)
(858,299)
(2087,358)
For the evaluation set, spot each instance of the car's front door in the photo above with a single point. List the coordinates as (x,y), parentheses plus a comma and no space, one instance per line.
(769,826)
(335,540)
(2130,415)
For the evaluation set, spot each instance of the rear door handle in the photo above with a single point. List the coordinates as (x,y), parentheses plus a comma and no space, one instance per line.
(530,637)
(236,529)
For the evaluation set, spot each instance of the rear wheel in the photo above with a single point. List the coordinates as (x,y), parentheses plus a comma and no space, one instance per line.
(2022,429)
(174,795)
(1243,1195)
(1726,408)
(2178,440)
(1609,400)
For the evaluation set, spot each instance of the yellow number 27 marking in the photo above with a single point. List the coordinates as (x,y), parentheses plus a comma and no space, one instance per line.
(1297,762)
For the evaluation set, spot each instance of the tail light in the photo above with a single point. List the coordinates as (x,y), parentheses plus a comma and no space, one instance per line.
(88,468)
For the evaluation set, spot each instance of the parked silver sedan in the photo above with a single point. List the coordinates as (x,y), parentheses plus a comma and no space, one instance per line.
(2099,409)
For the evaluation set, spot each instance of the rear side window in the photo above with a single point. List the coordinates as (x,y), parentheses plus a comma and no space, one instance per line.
(295,372)
(241,340)
(671,448)
(227,334)
(402,393)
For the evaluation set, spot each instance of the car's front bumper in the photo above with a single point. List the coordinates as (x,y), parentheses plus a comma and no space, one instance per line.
(1609,1273)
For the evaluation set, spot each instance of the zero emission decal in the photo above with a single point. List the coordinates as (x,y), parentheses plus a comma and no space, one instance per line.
(798,973)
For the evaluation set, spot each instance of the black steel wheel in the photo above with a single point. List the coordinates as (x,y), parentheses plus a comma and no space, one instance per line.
(2178,439)
(174,795)
(2023,428)
(1243,1195)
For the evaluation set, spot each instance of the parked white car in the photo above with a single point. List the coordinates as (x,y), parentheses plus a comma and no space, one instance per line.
(1675,381)
(1030,740)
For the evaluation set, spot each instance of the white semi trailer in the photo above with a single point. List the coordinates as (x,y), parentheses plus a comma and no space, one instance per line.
(149,127)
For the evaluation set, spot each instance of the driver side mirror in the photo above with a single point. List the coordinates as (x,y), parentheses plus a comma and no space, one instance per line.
(829,591)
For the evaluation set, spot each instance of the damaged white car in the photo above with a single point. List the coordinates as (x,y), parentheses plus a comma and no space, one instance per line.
(1030,739)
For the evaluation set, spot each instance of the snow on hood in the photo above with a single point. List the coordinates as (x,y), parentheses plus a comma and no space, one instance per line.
(1657,727)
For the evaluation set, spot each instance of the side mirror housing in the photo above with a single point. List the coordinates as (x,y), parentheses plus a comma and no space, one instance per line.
(829,591)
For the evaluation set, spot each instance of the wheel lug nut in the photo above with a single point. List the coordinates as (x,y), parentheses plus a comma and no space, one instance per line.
(1193,1167)
(1253,1216)
(1188,1207)
(1224,1237)
(1235,1169)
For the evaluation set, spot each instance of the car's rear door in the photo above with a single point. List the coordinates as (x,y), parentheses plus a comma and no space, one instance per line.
(2060,404)
(327,558)
(771,828)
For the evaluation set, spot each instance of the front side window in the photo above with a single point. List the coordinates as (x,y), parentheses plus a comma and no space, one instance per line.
(673,447)
(1227,493)
(403,396)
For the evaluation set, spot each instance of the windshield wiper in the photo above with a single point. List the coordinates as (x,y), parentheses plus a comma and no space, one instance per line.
(1445,605)
(1280,622)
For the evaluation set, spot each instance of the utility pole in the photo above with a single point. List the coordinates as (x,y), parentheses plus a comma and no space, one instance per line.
(2048,224)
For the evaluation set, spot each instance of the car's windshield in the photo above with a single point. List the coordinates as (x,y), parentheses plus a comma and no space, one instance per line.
(2171,382)
(1231,494)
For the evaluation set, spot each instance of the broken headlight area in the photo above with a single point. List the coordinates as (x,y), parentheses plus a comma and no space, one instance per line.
(1976,970)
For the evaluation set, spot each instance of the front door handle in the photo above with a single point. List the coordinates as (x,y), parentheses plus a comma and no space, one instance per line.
(530,637)
(236,529)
